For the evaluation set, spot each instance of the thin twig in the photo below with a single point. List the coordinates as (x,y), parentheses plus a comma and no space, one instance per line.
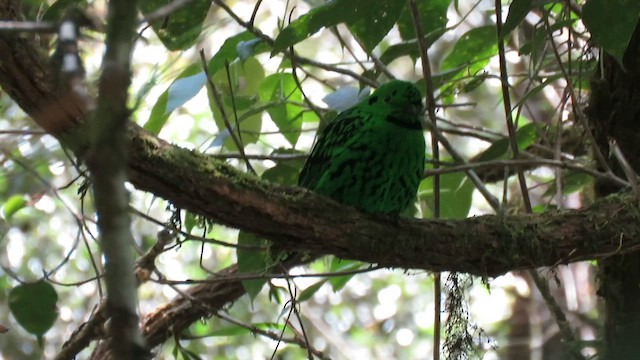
(28,26)
(506,100)
(255,12)
(216,278)
(631,175)
(473,176)
(235,114)
(577,110)
(271,335)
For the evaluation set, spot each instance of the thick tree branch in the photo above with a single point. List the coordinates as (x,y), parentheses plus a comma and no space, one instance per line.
(299,220)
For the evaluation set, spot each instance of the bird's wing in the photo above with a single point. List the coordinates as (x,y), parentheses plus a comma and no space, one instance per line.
(330,141)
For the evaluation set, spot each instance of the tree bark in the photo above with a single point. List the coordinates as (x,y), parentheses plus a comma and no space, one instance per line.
(614,114)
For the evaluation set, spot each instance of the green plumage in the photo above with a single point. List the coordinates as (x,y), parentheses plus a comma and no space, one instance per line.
(372,155)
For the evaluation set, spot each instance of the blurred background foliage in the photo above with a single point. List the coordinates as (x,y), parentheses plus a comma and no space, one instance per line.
(274,105)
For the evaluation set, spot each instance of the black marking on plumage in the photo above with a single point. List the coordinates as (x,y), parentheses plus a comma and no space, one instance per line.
(334,135)
(373,100)
(407,123)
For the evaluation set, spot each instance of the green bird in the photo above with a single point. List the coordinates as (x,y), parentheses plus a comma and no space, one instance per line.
(371,156)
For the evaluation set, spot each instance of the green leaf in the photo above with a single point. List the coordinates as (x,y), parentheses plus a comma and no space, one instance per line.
(518,10)
(281,89)
(232,49)
(190,221)
(13,205)
(179,92)
(372,20)
(34,307)
(252,262)
(456,192)
(473,50)
(340,265)
(282,173)
(181,29)
(526,136)
(471,53)
(229,331)
(245,81)
(611,23)
(538,88)
(184,89)
(307,293)
(541,35)
(433,14)
(4,182)
(369,21)
(571,182)
(249,48)
(187,85)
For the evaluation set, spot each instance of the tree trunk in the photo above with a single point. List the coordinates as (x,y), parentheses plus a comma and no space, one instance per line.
(614,114)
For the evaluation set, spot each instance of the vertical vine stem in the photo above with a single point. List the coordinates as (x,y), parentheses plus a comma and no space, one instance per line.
(540,282)
(107,162)
(435,152)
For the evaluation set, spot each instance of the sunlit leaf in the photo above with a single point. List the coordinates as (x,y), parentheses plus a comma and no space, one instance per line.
(307,293)
(13,205)
(345,97)
(341,265)
(180,91)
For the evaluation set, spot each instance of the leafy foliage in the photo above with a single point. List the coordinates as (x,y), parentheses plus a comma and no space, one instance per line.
(34,307)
